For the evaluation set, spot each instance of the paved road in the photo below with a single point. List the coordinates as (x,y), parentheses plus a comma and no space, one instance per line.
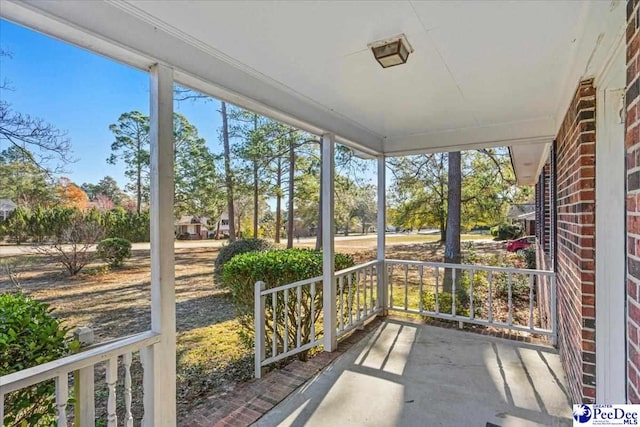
(10,250)
(7,250)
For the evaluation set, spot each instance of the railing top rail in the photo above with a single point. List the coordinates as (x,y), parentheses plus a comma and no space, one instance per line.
(30,376)
(356,268)
(291,285)
(471,267)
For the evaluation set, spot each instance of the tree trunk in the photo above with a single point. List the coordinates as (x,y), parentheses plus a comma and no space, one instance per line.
(319,226)
(139,181)
(290,217)
(228,178)
(255,184)
(454,202)
(278,200)
(255,199)
(443,231)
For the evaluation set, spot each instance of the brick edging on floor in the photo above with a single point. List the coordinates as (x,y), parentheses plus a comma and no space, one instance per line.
(248,401)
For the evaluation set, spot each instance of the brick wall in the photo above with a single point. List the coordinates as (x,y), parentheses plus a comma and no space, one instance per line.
(546,191)
(632,144)
(575,186)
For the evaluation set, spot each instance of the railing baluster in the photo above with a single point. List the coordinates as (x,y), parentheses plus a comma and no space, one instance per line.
(472,313)
(274,336)
(358,295)
(437,282)
(126,361)
(286,320)
(112,378)
(299,320)
(453,291)
(406,287)
(350,298)
(530,301)
(340,303)
(420,303)
(371,275)
(490,299)
(390,286)
(62,396)
(364,285)
(313,312)
(510,283)
(1,409)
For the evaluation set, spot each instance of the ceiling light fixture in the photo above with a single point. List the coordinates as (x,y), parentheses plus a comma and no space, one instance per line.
(391,52)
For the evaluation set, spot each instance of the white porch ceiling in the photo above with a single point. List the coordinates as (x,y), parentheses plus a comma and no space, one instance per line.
(482,74)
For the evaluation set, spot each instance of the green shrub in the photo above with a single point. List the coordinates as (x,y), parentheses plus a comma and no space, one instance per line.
(506,232)
(30,336)
(276,268)
(238,247)
(114,251)
(519,287)
(530,257)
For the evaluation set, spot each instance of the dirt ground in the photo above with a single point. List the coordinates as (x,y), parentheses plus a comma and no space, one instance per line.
(116,303)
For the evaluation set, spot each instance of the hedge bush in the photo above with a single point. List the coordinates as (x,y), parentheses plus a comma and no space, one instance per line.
(238,247)
(114,251)
(277,268)
(530,257)
(506,232)
(30,336)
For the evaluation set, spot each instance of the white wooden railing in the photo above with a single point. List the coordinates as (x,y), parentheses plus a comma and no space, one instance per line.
(357,292)
(498,297)
(83,365)
(289,319)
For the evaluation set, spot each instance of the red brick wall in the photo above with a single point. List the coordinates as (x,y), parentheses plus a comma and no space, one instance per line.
(575,183)
(632,144)
(546,240)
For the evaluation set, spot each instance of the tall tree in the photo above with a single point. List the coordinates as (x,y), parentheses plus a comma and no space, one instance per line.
(291,224)
(228,177)
(107,187)
(198,187)
(132,146)
(70,195)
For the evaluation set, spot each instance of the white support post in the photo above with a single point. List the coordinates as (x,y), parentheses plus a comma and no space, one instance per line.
(160,363)
(328,253)
(383,299)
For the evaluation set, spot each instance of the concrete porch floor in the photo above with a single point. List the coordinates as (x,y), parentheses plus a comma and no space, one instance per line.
(406,374)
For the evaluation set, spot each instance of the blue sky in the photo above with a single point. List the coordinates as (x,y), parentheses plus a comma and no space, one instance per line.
(83,93)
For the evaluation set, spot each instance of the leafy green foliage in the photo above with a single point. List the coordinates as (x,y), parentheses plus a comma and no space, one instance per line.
(114,251)
(530,257)
(506,231)
(49,224)
(277,268)
(236,248)
(30,336)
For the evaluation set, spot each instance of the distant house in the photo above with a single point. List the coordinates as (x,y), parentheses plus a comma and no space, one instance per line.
(6,207)
(524,213)
(191,227)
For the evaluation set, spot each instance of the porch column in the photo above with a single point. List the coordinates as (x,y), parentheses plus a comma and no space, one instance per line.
(328,247)
(160,363)
(381,229)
